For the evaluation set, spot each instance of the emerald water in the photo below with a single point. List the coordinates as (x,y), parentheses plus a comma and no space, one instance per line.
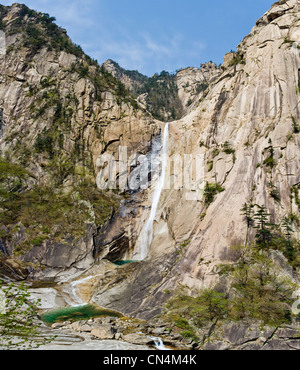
(121,263)
(77,313)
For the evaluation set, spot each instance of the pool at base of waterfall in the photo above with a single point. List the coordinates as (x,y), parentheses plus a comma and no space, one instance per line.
(122,263)
(76,313)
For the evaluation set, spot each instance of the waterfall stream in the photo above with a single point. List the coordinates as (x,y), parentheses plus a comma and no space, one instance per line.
(75,293)
(159,344)
(146,236)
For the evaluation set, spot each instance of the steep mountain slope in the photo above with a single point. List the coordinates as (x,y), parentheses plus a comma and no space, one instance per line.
(247,129)
(167,96)
(59,112)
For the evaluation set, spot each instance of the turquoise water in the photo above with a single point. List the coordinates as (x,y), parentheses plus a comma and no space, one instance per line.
(77,313)
(121,263)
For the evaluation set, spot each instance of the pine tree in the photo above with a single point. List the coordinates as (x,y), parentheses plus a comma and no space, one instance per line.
(248,213)
(264,235)
(289,249)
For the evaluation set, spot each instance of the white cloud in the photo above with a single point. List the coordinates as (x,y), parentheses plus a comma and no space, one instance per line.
(68,12)
(143,51)
(103,38)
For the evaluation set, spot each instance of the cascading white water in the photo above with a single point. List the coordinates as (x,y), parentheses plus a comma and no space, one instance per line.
(146,235)
(159,344)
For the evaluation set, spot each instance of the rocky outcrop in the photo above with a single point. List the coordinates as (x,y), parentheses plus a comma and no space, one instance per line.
(246,129)
(58,113)
(245,335)
(248,337)
(193,84)
(132,331)
(61,261)
(133,80)
(185,89)
(243,121)
(252,107)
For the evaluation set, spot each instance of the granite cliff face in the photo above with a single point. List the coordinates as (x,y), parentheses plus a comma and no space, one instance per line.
(59,112)
(167,96)
(241,119)
(247,129)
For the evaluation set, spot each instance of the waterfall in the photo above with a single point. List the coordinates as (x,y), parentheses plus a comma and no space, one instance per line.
(159,344)
(146,236)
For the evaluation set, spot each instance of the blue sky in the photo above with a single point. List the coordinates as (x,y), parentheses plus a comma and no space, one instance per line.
(155,35)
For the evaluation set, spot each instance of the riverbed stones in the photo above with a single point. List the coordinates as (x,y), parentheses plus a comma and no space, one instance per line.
(103,332)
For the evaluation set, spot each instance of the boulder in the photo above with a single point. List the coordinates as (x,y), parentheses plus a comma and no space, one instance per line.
(139,339)
(103,332)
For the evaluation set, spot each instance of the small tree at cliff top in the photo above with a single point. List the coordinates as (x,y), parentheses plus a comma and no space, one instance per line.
(18,324)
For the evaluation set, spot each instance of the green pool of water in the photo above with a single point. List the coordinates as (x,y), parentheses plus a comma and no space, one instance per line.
(121,263)
(77,313)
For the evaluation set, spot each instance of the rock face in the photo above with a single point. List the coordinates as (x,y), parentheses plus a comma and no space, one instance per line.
(246,129)
(133,80)
(247,336)
(63,259)
(58,110)
(184,89)
(193,83)
(242,121)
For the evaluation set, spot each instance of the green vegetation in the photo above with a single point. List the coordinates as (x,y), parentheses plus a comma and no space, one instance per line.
(44,143)
(270,236)
(188,313)
(18,326)
(210,191)
(48,213)
(295,195)
(202,87)
(274,192)
(237,59)
(248,213)
(162,96)
(227,149)
(257,290)
(296,127)
(260,292)
(270,161)
(2,25)
(40,31)
(288,41)
(210,166)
